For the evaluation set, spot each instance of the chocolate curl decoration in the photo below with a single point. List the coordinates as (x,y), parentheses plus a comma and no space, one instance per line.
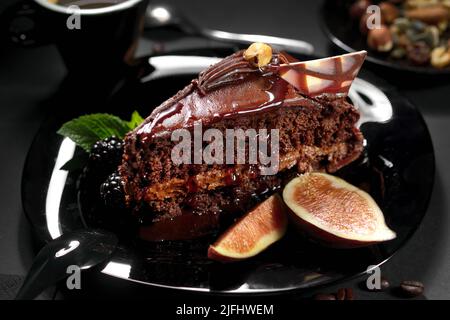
(332,75)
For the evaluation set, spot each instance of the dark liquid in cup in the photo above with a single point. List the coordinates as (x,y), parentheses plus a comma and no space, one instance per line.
(89,4)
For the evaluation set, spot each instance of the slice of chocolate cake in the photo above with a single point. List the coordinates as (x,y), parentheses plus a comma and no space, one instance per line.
(301,106)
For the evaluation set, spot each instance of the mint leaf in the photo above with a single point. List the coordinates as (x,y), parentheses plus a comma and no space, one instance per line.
(88,129)
(135,121)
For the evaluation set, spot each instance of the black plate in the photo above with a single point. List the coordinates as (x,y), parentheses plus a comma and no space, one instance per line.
(344,32)
(397,168)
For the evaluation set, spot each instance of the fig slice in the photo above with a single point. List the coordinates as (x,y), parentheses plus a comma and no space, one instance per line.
(253,233)
(334,212)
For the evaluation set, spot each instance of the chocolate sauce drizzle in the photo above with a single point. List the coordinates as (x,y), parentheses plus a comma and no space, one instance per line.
(231,69)
(235,68)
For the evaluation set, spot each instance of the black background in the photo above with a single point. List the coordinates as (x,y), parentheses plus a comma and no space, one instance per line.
(30,76)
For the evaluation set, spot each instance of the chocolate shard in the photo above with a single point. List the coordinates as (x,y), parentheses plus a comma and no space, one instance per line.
(331,76)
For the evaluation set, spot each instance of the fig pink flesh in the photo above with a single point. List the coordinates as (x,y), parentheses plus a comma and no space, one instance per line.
(266,218)
(335,207)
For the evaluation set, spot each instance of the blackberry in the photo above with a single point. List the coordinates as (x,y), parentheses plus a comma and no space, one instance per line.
(112,193)
(107,153)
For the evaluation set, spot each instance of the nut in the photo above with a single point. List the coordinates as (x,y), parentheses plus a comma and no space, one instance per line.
(411,288)
(446,3)
(363,24)
(440,57)
(345,294)
(413,4)
(418,53)
(389,12)
(402,24)
(433,36)
(398,53)
(417,26)
(395,31)
(259,54)
(380,39)
(442,26)
(325,296)
(359,8)
(403,41)
(430,36)
(431,15)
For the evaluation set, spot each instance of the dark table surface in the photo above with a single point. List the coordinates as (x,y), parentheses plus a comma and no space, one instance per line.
(32,75)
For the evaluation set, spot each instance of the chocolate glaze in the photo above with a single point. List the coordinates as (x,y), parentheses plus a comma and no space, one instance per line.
(186,226)
(231,69)
(229,88)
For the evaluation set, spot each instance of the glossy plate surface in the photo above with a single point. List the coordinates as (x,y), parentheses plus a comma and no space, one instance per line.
(344,32)
(397,169)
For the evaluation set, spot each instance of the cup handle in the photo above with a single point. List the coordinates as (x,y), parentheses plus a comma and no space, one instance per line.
(23,25)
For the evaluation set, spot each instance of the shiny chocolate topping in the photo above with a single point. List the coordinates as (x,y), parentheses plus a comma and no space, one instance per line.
(235,68)
(231,87)
(231,69)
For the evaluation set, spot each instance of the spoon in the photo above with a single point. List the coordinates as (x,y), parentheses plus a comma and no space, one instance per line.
(164,15)
(83,249)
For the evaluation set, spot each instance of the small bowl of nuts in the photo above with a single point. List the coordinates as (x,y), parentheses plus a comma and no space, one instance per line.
(412,35)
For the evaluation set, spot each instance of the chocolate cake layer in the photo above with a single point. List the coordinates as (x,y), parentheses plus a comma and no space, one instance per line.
(314,134)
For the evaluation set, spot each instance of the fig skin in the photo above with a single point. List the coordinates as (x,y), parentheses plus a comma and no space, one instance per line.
(327,237)
(221,253)
(322,237)
(213,254)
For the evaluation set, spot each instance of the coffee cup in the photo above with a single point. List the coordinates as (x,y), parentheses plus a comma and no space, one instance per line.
(90,34)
